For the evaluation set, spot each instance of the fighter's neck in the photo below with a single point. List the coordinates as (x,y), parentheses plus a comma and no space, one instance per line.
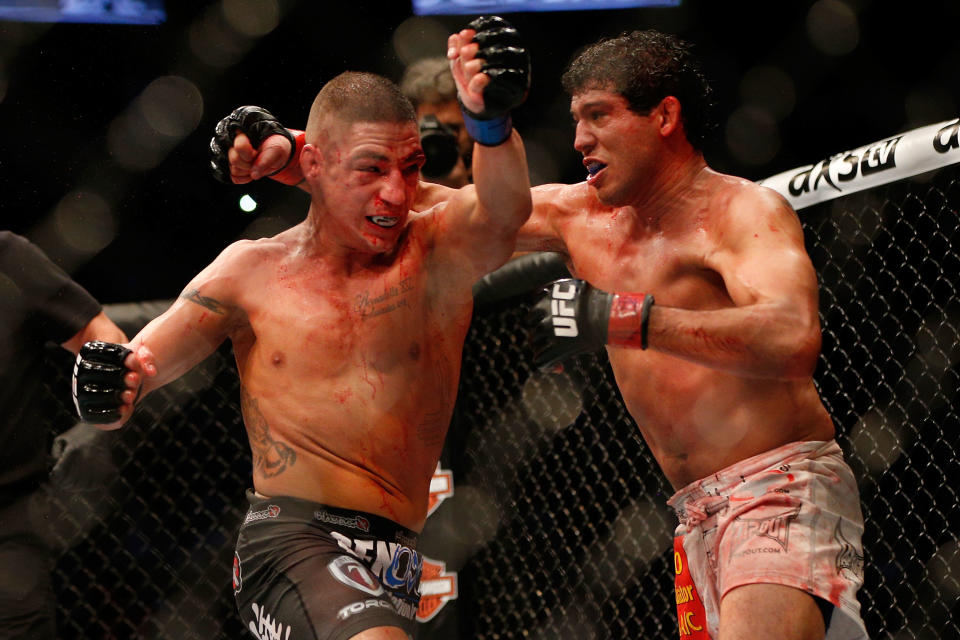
(671,189)
(320,239)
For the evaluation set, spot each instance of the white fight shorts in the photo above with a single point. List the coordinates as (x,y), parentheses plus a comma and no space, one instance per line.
(790,516)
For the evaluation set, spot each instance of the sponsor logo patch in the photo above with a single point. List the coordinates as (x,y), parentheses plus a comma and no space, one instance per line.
(691,613)
(266,627)
(352,522)
(353,573)
(849,562)
(272,511)
(360,607)
(441,488)
(776,527)
(437,588)
(237,574)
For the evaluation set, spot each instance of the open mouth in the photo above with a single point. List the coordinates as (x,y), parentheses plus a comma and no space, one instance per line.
(385,222)
(593,168)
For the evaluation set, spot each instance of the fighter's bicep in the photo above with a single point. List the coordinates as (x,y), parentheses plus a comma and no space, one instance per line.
(467,235)
(763,259)
(767,275)
(181,337)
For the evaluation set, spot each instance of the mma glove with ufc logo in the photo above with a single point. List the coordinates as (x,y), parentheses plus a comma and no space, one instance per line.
(571,317)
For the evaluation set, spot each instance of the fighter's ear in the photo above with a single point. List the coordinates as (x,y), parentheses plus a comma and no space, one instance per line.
(311,161)
(669,113)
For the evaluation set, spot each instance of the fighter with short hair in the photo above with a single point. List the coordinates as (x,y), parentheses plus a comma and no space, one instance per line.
(347,330)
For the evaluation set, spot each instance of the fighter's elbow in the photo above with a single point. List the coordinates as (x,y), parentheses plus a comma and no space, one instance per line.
(800,352)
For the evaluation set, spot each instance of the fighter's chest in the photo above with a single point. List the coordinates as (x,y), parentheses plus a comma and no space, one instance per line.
(334,317)
(674,269)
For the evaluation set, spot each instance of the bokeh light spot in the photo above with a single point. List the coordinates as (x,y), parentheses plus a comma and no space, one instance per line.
(252,18)
(832,27)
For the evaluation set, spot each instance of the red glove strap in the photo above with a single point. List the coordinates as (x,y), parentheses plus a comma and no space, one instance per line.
(291,173)
(629,318)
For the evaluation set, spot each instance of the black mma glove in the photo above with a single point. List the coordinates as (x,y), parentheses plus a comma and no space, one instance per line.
(98,381)
(507,63)
(258,124)
(570,317)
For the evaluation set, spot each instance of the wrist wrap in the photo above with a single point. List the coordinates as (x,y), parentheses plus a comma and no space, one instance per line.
(630,319)
(489,133)
(290,173)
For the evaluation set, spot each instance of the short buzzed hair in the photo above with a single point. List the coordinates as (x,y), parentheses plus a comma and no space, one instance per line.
(359,97)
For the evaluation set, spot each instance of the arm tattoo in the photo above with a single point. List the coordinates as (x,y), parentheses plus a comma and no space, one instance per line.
(270,457)
(193,295)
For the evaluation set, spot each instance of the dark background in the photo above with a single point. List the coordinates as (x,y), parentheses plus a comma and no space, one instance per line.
(65,87)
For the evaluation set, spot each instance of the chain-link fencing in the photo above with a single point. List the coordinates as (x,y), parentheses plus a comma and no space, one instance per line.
(558,525)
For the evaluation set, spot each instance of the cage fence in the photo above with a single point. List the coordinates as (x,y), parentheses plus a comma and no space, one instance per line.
(557,526)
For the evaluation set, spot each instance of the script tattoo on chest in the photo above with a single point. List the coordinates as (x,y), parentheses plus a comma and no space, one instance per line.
(368,306)
(270,457)
(193,295)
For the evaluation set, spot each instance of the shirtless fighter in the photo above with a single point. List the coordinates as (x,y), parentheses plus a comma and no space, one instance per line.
(347,331)
(713,334)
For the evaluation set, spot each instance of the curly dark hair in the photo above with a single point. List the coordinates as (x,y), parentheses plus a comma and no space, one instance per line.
(645,67)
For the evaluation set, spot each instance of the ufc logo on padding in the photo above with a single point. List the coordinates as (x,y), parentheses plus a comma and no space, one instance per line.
(563,313)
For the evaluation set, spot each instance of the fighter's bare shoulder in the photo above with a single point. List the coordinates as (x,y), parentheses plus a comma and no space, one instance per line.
(242,255)
(240,265)
(563,200)
(746,210)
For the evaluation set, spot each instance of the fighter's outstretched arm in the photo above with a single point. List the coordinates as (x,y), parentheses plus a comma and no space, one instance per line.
(480,222)
(109,378)
(772,330)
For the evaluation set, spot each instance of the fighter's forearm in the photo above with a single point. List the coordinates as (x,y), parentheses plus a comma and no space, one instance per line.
(183,336)
(502,182)
(762,340)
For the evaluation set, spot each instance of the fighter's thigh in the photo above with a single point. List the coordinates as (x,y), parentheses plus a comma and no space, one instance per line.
(770,611)
(382,633)
(306,598)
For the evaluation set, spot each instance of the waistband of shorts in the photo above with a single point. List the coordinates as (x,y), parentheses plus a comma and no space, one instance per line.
(354,524)
(729,477)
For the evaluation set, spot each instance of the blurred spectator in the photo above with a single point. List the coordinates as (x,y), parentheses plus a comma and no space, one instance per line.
(39,304)
(429,85)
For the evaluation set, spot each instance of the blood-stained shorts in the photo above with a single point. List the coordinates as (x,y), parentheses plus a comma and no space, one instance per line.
(790,516)
(306,570)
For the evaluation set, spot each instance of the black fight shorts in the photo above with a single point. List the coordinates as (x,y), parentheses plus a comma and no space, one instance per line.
(306,570)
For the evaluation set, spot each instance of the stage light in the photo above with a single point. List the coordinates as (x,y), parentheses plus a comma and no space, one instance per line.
(247,203)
